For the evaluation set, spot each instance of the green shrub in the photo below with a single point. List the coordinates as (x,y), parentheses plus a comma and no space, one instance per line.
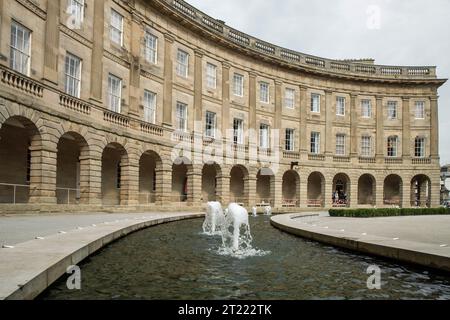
(388,212)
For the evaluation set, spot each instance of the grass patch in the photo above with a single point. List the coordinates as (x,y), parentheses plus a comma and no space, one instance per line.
(388,212)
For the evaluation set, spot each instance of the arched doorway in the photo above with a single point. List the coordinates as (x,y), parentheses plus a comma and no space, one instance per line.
(114,158)
(264,187)
(393,190)
(149,189)
(180,187)
(71,147)
(316,190)
(210,173)
(366,190)
(239,185)
(19,141)
(421,191)
(290,189)
(341,190)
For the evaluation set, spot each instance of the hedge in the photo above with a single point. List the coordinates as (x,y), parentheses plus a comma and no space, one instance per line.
(388,212)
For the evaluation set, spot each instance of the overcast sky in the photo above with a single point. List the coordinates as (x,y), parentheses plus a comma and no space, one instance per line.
(409,32)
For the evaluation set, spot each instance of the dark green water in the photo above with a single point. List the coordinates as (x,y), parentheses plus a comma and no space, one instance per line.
(175,261)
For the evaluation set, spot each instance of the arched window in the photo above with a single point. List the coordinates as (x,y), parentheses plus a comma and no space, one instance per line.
(419,147)
(392,146)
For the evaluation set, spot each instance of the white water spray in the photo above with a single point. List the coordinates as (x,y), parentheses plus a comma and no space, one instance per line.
(215,219)
(255,211)
(268,211)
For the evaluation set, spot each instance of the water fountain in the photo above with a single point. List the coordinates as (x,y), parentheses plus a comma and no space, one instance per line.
(268,210)
(255,211)
(214,220)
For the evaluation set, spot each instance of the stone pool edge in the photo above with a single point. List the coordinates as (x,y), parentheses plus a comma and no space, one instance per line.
(402,251)
(31,267)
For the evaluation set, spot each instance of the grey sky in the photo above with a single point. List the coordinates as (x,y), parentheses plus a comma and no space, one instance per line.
(412,32)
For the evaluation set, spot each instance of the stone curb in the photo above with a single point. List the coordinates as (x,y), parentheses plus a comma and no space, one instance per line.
(31,267)
(404,251)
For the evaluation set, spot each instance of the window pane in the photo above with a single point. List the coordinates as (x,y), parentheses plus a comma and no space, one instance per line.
(290,98)
(315,103)
(151,48)
(150,107)
(73,75)
(20,52)
(211,76)
(238,85)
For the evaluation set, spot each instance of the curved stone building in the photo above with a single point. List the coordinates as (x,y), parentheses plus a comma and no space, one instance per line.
(153,103)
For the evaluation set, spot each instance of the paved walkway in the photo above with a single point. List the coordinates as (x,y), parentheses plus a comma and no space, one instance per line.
(28,268)
(423,240)
(15,229)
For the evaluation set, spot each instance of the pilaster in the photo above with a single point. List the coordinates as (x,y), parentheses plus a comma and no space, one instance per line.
(97,51)
(52,42)
(168,81)
(380,130)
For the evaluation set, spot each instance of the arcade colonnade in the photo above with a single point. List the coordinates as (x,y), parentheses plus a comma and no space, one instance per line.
(67,164)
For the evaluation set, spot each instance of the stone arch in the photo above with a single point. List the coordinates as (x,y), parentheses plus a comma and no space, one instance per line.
(182,168)
(239,184)
(114,188)
(265,182)
(72,169)
(150,184)
(341,190)
(210,182)
(367,190)
(291,189)
(20,154)
(393,194)
(316,189)
(421,191)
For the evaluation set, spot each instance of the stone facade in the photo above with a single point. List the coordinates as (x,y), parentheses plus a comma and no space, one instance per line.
(61,147)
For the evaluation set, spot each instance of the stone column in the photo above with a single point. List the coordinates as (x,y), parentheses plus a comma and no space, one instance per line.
(97,51)
(197,124)
(353,196)
(194,177)
(303,114)
(225,98)
(329,139)
(164,184)
(129,191)
(303,191)
(137,31)
(328,190)
(406,194)
(250,183)
(435,196)
(379,193)
(380,130)
(353,127)
(43,174)
(168,81)
(51,42)
(406,107)
(434,135)
(276,191)
(91,177)
(223,189)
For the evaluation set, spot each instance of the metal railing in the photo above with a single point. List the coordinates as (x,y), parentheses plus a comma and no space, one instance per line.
(13,187)
(291,203)
(315,203)
(67,192)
